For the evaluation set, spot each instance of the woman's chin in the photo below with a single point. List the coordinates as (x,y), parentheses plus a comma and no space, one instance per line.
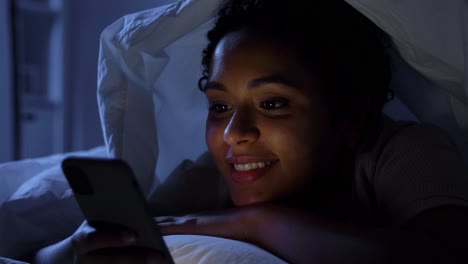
(244,199)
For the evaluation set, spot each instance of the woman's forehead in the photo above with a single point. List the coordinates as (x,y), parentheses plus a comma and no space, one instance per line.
(241,50)
(246,41)
(239,60)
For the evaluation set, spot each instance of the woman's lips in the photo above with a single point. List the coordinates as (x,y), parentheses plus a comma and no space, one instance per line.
(248,169)
(244,177)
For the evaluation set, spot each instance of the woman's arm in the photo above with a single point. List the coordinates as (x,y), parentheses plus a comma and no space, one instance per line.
(436,236)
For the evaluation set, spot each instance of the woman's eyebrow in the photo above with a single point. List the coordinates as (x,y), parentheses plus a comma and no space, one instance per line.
(211,85)
(270,79)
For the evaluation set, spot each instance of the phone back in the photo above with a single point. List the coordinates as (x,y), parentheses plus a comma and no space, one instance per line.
(108,193)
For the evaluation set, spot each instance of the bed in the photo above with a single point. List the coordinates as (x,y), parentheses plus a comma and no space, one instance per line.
(154,119)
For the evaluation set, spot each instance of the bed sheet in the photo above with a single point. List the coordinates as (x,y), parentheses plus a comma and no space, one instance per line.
(36,203)
(13,174)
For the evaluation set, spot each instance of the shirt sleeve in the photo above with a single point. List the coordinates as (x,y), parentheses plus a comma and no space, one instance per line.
(420,168)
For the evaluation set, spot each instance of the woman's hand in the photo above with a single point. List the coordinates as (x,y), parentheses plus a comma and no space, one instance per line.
(109,245)
(241,223)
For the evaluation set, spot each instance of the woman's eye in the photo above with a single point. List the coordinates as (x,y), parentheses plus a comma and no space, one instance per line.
(274,104)
(219,108)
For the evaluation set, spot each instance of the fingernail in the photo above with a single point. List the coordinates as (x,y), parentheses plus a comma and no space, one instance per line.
(128,237)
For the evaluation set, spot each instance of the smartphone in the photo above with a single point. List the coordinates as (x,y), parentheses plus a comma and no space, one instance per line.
(109,195)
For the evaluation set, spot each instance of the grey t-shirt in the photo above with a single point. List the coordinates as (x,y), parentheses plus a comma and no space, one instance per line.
(409,168)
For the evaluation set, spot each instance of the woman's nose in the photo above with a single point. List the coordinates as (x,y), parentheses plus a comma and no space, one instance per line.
(241,129)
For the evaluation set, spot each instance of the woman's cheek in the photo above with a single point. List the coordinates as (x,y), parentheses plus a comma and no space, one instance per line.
(214,136)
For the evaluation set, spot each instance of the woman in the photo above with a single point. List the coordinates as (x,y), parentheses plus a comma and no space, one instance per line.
(315,170)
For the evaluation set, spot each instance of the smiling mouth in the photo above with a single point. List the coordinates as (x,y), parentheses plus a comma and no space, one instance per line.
(252,166)
(246,173)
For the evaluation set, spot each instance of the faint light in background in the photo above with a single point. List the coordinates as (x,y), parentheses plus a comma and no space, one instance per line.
(39,37)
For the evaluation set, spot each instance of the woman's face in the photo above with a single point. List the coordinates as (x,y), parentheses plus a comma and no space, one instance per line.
(267,128)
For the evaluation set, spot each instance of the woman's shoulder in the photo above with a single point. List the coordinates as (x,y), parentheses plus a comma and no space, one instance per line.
(396,136)
(410,167)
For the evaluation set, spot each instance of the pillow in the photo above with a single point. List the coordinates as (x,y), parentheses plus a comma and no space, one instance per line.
(10,261)
(13,174)
(41,210)
(191,249)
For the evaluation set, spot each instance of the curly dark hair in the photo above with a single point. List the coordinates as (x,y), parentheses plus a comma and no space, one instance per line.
(345,49)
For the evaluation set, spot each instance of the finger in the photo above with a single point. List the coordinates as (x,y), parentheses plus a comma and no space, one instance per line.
(93,239)
(163,219)
(122,255)
(169,228)
(179,227)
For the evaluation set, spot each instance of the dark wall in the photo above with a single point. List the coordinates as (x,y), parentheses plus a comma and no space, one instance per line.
(6,117)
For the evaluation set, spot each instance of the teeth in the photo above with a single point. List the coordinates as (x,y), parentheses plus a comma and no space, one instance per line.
(251,166)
